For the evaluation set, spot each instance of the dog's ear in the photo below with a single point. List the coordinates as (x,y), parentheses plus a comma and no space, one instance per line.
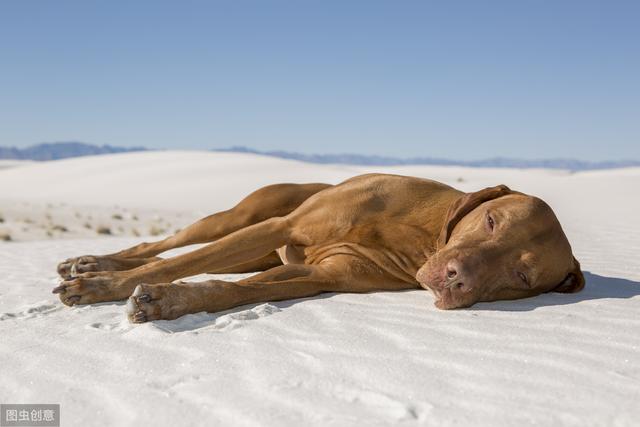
(466,204)
(574,282)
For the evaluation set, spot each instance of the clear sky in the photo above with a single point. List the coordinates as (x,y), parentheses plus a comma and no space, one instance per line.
(453,79)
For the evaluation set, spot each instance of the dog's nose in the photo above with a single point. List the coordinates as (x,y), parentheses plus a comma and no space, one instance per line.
(452,269)
(455,276)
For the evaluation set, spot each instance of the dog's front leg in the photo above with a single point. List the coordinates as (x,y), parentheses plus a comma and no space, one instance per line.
(341,274)
(172,300)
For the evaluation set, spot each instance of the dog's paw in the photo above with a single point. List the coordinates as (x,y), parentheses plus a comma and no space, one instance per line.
(88,263)
(74,266)
(92,287)
(157,301)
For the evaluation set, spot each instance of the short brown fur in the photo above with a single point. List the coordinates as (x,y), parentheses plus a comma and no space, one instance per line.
(370,233)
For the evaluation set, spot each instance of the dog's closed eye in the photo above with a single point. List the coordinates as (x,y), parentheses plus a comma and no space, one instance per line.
(490,222)
(524,278)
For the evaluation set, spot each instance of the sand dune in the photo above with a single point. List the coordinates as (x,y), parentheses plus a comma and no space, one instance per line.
(6,164)
(375,359)
(174,180)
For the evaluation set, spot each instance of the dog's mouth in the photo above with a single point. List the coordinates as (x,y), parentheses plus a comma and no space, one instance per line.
(442,297)
(428,279)
(445,299)
(435,291)
(438,292)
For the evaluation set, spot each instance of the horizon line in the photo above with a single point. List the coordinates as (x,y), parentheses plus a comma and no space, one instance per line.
(282,152)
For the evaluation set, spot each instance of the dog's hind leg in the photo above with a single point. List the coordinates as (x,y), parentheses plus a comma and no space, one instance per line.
(267,202)
(239,248)
(271,201)
(87,263)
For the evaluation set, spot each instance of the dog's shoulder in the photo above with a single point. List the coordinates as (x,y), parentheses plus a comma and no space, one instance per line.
(398,183)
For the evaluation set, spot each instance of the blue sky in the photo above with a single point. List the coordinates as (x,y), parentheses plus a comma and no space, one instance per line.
(468,80)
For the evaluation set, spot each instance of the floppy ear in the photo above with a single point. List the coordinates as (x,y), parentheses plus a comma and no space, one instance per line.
(466,204)
(574,282)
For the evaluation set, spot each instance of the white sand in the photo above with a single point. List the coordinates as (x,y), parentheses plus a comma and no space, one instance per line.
(7,163)
(376,359)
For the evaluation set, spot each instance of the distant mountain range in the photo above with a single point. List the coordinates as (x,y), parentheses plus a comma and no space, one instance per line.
(63,150)
(495,162)
(60,150)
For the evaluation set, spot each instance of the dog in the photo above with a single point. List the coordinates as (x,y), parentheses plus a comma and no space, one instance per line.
(374,232)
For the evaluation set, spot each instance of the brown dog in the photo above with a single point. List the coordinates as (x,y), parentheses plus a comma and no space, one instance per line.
(371,232)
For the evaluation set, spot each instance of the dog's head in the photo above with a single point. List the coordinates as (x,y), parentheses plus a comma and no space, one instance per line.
(497,244)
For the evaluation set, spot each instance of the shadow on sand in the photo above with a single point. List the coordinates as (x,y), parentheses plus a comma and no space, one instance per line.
(228,319)
(596,287)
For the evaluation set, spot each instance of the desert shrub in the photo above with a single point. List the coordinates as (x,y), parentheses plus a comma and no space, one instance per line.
(103,230)
(155,230)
